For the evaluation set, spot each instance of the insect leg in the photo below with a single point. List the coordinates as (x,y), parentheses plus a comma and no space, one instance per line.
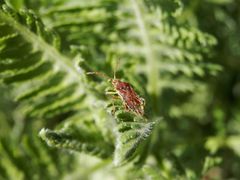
(111,93)
(126,107)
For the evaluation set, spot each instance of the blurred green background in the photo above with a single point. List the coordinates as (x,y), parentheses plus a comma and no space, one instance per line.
(201,130)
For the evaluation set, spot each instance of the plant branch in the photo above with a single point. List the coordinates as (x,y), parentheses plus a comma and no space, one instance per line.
(49,51)
(150,57)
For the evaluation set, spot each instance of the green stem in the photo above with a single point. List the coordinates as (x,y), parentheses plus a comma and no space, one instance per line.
(48,50)
(151,60)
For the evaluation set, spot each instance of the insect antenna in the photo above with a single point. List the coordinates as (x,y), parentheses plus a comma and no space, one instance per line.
(115,69)
(99,74)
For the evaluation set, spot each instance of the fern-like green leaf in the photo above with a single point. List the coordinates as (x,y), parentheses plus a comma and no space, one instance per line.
(78,135)
(46,163)
(131,132)
(43,76)
(129,137)
(157,54)
(168,49)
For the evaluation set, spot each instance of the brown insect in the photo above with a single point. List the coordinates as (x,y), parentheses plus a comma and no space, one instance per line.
(131,100)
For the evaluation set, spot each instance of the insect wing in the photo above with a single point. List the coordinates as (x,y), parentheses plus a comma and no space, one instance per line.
(133,101)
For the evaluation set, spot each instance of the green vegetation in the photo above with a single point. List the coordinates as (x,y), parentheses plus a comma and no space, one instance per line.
(56,122)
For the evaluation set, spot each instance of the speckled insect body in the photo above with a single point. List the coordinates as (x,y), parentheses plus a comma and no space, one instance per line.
(131,100)
(129,97)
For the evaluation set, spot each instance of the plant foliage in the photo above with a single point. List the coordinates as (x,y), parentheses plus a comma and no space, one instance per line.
(164,49)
